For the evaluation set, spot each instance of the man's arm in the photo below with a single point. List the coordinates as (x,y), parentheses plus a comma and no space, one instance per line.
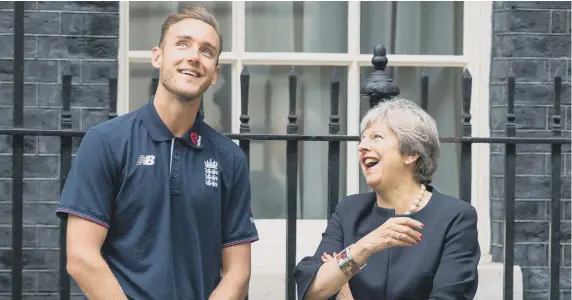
(86,202)
(238,232)
(85,263)
(235,273)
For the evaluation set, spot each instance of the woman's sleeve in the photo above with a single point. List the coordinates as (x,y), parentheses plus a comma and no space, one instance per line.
(332,241)
(457,276)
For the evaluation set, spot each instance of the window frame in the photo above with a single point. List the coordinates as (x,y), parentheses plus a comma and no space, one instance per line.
(476,58)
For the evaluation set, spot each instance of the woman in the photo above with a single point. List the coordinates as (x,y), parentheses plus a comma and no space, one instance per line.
(404,240)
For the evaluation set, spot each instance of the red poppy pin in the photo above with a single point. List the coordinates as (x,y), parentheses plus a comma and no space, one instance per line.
(194,137)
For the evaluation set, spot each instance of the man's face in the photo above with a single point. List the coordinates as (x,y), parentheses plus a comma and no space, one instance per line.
(188,59)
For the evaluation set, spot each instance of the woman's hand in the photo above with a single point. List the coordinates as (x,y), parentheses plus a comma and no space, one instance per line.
(398,231)
(345,293)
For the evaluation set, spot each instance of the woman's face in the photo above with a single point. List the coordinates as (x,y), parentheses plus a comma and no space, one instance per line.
(379,156)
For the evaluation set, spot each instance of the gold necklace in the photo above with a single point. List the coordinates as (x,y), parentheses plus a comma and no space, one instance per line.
(417,201)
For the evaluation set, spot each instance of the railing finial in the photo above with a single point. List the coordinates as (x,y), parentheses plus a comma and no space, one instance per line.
(379,86)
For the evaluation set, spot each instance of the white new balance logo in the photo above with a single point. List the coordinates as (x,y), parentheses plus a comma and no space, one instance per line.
(146,160)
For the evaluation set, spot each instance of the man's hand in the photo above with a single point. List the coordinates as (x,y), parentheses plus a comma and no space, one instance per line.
(235,273)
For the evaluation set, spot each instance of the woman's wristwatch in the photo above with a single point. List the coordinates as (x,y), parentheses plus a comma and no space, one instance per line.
(346,263)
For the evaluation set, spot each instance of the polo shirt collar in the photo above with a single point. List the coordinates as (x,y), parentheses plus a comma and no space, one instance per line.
(160,132)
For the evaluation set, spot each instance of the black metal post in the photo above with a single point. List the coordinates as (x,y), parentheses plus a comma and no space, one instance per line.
(65,165)
(244,118)
(555,182)
(424,90)
(509,186)
(18,152)
(112,94)
(379,86)
(334,147)
(291,189)
(466,146)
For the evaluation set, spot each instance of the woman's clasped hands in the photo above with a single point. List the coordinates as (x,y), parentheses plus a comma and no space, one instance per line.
(397,231)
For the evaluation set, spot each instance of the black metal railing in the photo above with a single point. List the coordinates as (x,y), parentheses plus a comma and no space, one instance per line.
(378,87)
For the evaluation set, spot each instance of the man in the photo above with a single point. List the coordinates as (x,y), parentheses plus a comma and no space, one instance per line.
(158,202)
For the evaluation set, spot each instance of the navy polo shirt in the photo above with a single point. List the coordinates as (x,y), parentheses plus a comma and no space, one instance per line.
(171,204)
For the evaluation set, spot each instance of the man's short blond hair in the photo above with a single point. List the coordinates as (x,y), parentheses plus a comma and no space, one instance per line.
(197,13)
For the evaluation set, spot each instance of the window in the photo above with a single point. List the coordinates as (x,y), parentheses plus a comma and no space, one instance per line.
(316,37)
(421,28)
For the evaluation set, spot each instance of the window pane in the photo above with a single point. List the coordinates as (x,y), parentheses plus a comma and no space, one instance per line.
(445,105)
(216,100)
(421,27)
(269,109)
(147,17)
(297,26)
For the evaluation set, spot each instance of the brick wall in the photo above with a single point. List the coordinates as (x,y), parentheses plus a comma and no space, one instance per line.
(532,38)
(81,36)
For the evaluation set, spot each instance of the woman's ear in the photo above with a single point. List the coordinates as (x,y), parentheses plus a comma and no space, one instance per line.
(410,159)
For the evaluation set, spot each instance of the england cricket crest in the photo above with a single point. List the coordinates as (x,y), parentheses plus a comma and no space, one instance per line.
(211,173)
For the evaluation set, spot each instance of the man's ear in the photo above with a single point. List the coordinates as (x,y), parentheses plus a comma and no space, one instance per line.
(156,57)
(215,75)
